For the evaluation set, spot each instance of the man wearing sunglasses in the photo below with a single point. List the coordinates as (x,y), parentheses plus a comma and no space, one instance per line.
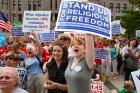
(9,81)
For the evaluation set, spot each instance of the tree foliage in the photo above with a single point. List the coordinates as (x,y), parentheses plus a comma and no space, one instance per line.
(131,20)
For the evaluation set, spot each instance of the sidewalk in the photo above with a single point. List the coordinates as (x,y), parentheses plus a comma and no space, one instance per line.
(113,84)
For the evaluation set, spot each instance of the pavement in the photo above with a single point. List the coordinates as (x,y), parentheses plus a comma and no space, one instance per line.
(113,83)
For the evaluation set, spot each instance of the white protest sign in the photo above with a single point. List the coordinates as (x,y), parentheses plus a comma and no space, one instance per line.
(96,86)
(116,27)
(38,21)
(136,78)
(85,18)
(137,33)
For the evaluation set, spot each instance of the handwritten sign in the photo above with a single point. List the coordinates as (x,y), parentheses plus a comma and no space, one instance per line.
(136,78)
(85,18)
(38,21)
(96,86)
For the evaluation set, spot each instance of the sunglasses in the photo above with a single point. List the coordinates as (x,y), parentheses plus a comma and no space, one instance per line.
(5,77)
(8,58)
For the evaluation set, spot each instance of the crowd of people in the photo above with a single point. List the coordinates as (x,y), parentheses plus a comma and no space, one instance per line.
(66,65)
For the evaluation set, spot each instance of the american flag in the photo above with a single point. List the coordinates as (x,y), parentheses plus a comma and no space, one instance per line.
(4,23)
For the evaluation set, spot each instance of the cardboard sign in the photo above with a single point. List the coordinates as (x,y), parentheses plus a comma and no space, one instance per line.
(96,86)
(38,21)
(85,18)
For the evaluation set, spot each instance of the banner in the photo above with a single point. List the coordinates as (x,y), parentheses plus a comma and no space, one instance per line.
(38,21)
(100,53)
(2,39)
(116,27)
(85,18)
(17,31)
(136,78)
(137,33)
(47,37)
(96,86)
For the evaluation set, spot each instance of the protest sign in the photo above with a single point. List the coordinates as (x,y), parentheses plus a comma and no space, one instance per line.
(136,78)
(84,18)
(100,53)
(38,21)
(2,39)
(116,27)
(17,31)
(96,86)
(137,33)
(47,37)
(22,74)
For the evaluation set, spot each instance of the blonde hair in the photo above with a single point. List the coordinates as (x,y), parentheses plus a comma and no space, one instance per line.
(30,46)
(13,71)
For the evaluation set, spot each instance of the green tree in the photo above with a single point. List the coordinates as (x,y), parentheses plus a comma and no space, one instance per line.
(131,20)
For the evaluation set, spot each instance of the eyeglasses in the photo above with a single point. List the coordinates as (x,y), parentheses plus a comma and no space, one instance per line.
(5,77)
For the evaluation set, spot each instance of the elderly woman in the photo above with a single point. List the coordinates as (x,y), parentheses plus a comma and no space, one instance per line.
(35,75)
(9,81)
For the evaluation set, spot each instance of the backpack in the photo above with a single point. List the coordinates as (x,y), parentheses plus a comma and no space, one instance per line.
(40,61)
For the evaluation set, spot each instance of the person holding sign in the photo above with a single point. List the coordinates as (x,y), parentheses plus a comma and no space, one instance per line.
(79,71)
(9,81)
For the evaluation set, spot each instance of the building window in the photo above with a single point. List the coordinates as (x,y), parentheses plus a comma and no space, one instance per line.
(51,4)
(56,14)
(14,5)
(118,8)
(20,17)
(2,4)
(7,5)
(51,17)
(124,7)
(111,7)
(34,5)
(56,5)
(14,17)
(39,5)
(118,17)
(29,5)
(19,5)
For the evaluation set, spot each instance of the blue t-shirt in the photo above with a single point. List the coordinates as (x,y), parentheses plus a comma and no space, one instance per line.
(33,66)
